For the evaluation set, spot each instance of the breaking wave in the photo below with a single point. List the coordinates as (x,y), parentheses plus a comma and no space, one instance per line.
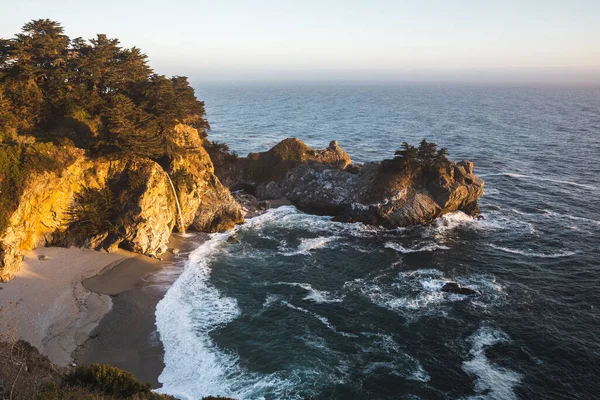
(492,381)
(529,253)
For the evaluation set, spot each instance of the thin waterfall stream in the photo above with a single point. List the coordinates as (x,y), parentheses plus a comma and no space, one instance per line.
(182,226)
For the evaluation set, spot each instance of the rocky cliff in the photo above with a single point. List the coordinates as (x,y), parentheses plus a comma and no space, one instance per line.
(325,182)
(108,203)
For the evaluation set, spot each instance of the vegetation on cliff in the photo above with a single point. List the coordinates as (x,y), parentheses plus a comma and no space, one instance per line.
(103,97)
(88,135)
(95,95)
(25,374)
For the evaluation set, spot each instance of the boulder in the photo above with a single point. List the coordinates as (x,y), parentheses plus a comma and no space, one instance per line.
(206,204)
(453,287)
(274,164)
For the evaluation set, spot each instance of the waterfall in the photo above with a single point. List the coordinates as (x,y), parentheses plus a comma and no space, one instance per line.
(182,226)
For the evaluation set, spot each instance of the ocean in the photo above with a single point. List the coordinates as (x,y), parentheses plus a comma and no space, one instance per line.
(305,307)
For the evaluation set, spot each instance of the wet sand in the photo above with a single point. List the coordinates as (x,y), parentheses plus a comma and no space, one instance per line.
(126,337)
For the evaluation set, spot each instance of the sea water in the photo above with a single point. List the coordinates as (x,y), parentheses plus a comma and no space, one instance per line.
(308,307)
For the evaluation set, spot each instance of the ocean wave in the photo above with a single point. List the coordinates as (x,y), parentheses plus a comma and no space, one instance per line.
(429,247)
(529,253)
(321,318)
(194,365)
(571,217)
(419,292)
(494,221)
(542,179)
(314,295)
(492,381)
(307,245)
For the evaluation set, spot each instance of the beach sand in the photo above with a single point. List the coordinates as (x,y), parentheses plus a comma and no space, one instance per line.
(47,305)
(126,337)
(80,306)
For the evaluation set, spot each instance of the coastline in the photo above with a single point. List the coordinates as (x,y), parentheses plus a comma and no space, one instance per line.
(126,336)
(80,306)
(47,305)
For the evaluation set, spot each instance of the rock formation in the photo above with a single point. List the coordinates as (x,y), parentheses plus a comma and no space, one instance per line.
(325,182)
(61,207)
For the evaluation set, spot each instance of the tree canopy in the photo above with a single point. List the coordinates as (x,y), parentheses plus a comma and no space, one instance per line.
(103,97)
(423,158)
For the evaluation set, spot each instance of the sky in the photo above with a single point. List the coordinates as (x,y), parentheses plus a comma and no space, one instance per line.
(550,41)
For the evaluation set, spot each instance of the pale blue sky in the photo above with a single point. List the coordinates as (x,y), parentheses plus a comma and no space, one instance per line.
(429,40)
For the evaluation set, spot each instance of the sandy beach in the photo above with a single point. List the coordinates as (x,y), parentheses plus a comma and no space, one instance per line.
(47,305)
(83,306)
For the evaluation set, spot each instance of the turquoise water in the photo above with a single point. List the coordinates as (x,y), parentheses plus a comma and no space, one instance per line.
(304,306)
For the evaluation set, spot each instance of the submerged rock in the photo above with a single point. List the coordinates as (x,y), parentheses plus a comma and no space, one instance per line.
(233,239)
(453,287)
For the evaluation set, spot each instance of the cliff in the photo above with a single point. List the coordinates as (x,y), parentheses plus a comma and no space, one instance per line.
(378,193)
(105,203)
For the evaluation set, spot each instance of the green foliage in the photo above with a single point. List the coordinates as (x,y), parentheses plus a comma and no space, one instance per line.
(93,212)
(47,80)
(108,380)
(17,163)
(413,159)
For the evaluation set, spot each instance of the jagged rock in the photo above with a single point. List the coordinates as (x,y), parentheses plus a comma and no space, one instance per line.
(453,287)
(233,239)
(372,193)
(145,208)
(273,165)
(250,204)
(206,204)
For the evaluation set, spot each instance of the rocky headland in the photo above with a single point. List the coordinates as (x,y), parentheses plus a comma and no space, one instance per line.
(131,204)
(326,182)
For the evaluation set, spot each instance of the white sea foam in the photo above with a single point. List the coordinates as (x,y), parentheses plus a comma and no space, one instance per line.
(419,292)
(529,253)
(194,365)
(317,296)
(308,244)
(492,381)
(571,217)
(429,247)
(321,318)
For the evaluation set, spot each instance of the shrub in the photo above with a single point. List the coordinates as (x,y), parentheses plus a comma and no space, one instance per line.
(93,211)
(108,380)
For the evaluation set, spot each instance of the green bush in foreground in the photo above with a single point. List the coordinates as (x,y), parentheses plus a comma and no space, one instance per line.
(109,380)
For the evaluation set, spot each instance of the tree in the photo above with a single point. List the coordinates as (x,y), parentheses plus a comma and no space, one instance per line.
(106,98)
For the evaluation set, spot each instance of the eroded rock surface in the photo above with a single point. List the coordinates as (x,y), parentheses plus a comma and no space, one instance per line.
(372,193)
(141,212)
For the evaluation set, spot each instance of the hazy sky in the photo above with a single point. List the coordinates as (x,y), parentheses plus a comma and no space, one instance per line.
(427,40)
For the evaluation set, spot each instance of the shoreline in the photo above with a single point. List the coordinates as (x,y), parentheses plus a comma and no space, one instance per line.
(81,306)
(47,305)
(126,337)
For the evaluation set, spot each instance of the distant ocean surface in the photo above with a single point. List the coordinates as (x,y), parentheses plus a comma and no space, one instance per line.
(307,307)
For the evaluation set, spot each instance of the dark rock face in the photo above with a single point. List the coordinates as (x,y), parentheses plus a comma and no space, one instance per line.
(273,165)
(371,193)
(453,287)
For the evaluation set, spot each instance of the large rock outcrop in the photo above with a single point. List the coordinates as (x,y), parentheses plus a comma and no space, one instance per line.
(206,205)
(373,193)
(104,204)
(259,169)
